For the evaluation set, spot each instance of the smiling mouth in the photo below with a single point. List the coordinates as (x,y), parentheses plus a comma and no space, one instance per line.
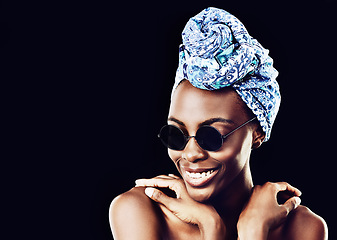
(199,178)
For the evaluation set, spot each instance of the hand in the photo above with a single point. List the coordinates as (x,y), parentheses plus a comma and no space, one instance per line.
(183,206)
(263,212)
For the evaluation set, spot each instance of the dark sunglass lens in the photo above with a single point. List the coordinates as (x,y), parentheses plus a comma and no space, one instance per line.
(209,138)
(172,137)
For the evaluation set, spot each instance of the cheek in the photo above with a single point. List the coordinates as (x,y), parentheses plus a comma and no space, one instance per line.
(230,159)
(174,155)
(238,148)
(229,155)
(233,157)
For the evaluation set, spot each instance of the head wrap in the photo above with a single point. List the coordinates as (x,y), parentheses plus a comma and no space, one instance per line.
(218,52)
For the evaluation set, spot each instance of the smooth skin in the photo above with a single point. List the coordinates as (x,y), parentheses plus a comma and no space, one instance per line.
(227,207)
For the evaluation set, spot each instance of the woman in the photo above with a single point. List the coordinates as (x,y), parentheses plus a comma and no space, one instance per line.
(224,102)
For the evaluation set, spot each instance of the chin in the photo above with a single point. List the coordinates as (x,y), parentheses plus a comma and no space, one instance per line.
(200,195)
(208,192)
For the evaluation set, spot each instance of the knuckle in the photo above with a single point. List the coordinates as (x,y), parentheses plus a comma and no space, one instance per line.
(257,187)
(177,185)
(292,203)
(284,212)
(269,185)
(282,184)
(157,195)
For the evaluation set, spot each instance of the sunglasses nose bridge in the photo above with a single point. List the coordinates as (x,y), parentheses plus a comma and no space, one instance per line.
(187,139)
(199,141)
(192,152)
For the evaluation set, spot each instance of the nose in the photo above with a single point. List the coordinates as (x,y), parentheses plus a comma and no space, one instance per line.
(193,152)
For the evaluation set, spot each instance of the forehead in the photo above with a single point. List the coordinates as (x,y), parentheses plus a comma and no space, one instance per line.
(193,106)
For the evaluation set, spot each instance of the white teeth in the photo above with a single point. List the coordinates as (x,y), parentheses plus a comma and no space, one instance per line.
(199,175)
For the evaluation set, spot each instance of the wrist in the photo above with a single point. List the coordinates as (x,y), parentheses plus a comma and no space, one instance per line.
(253,230)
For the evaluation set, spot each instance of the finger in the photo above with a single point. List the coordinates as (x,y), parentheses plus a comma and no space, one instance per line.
(284,186)
(159,196)
(174,176)
(291,204)
(154,182)
(164,176)
(170,176)
(173,184)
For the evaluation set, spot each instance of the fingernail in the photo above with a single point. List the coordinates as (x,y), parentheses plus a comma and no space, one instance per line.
(149,191)
(298,202)
(137,182)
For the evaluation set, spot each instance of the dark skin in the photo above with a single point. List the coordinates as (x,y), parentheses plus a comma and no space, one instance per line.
(228,206)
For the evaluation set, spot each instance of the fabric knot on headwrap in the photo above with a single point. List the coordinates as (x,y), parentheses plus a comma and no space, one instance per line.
(218,52)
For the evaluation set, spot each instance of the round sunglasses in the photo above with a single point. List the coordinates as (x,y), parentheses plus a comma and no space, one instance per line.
(207,137)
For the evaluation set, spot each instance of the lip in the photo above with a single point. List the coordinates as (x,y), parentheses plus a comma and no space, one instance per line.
(199,177)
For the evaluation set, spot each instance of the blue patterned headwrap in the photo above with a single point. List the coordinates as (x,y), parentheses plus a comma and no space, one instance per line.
(218,52)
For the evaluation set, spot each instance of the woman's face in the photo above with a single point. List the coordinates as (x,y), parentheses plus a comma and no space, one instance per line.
(208,173)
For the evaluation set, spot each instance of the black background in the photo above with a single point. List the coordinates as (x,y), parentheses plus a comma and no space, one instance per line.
(87,88)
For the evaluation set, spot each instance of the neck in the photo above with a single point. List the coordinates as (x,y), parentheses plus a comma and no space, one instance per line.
(231,201)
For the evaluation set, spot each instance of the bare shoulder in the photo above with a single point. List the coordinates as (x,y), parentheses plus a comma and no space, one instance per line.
(302,223)
(133,215)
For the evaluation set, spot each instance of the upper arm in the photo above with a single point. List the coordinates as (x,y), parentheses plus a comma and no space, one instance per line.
(133,216)
(304,224)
